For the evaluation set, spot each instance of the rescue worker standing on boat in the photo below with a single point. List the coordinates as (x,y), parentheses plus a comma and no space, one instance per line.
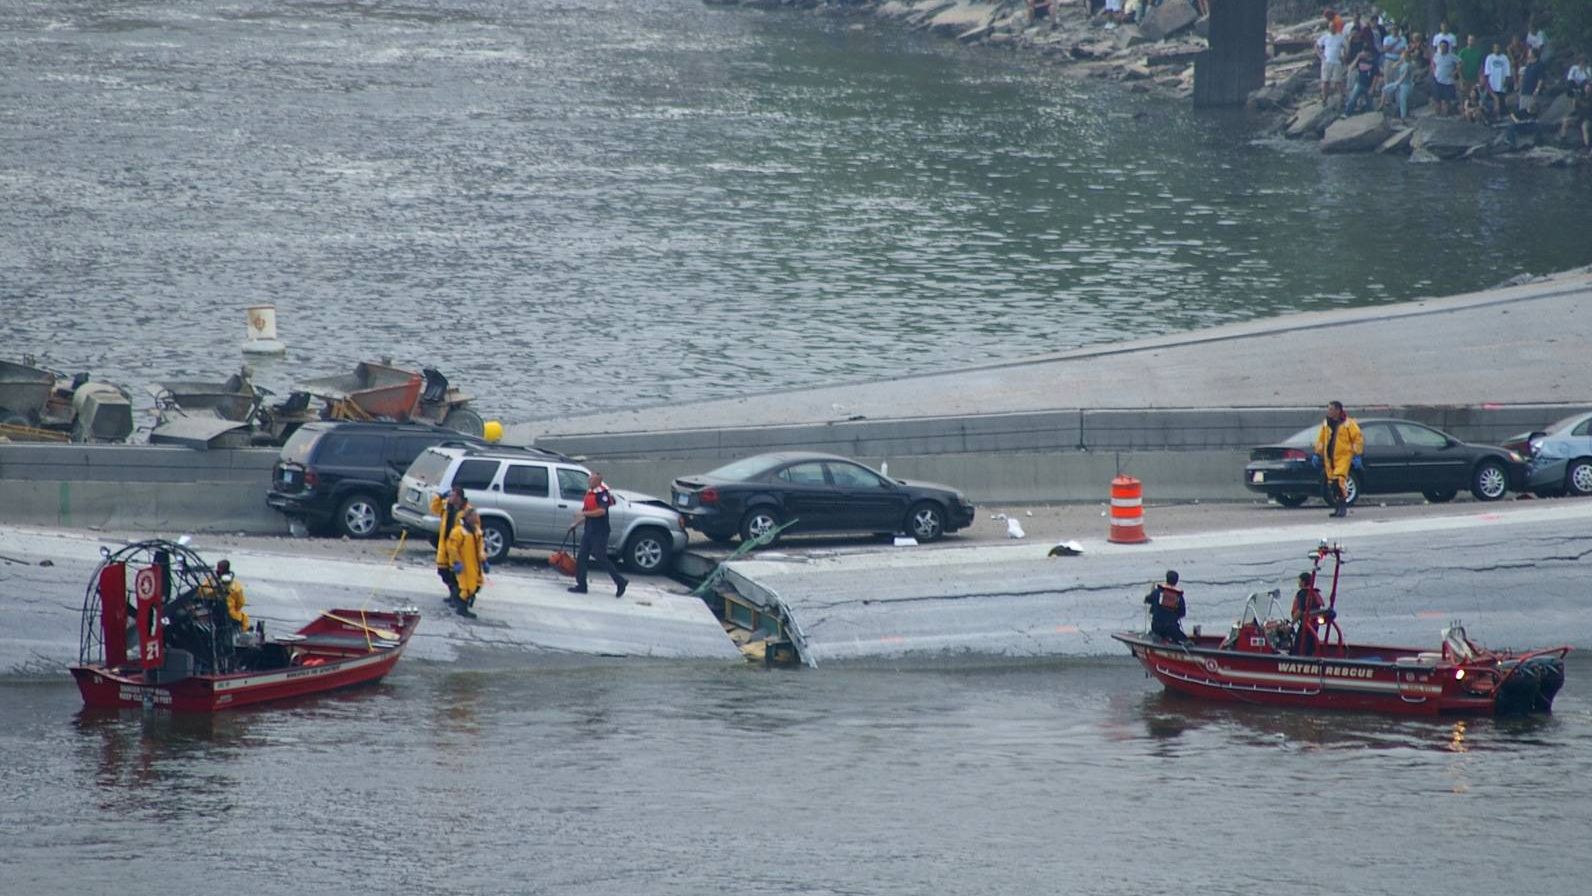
(228,587)
(467,560)
(594,540)
(1307,601)
(1167,610)
(450,509)
(1339,446)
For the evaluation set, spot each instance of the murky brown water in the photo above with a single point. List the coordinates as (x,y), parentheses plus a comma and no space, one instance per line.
(1077,777)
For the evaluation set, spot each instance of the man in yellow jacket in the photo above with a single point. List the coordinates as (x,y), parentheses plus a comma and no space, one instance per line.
(467,559)
(1339,446)
(450,509)
(225,586)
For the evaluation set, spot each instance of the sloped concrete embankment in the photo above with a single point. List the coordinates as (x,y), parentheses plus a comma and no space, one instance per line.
(1512,577)
(526,618)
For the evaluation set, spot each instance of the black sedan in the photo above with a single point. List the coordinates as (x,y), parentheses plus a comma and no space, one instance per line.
(1400,456)
(819,493)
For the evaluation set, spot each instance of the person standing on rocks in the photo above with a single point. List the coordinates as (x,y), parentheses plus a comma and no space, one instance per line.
(1444,36)
(1531,81)
(1339,446)
(1399,82)
(1470,58)
(1445,75)
(1330,48)
(1497,69)
(1364,76)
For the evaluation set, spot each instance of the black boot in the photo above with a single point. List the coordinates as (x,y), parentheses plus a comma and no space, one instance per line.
(463,607)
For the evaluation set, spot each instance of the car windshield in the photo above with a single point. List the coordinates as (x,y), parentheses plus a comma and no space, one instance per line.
(297,448)
(745,468)
(428,468)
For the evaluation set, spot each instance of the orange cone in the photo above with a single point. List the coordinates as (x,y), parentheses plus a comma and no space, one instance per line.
(1127,511)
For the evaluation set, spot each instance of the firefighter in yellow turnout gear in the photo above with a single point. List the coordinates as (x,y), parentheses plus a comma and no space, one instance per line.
(1339,446)
(449,508)
(226,586)
(467,560)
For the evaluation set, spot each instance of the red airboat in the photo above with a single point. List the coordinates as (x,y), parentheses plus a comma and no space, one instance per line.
(156,633)
(1272,660)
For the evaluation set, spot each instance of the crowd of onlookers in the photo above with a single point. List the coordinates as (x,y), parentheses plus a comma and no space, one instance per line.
(1376,64)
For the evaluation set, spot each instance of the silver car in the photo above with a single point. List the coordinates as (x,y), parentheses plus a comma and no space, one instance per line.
(1560,459)
(526,498)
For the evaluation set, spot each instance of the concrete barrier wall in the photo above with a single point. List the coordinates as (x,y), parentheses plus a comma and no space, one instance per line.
(1178,429)
(139,488)
(1017,478)
(1180,454)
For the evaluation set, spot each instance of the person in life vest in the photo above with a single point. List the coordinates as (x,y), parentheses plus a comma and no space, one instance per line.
(450,508)
(1307,601)
(1167,609)
(467,559)
(594,540)
(1339,447)
(225,586)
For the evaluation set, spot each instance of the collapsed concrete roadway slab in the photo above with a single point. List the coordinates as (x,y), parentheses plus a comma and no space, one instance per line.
(1513,575)
(526,618)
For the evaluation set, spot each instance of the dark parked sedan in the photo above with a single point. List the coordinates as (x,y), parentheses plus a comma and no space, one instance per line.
(821,493)
(1400,456)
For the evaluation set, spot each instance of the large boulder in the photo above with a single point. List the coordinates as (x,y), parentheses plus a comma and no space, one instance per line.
(961,18)
(1168,19)
(1557,111)
(1281,93)
(1451,138)
(1311,120)
(1357,133)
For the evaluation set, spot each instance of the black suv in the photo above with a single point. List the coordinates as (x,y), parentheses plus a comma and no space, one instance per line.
(342,477)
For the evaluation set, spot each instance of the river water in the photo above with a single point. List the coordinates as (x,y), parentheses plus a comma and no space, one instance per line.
(597,203)
(1074,777)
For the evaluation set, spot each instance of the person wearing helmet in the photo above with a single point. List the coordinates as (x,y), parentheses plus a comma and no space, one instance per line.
(227,587)
(1167,609)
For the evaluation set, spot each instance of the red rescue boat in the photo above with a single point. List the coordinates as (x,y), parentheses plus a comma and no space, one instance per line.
(156,633)
(1269,659)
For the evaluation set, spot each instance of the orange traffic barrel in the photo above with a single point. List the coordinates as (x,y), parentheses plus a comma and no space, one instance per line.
(1127,511)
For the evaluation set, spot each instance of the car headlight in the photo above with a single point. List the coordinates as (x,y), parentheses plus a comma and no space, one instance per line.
(1514,456)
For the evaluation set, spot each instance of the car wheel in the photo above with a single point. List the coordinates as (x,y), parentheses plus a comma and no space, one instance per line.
(12,418)
(466,421)
(1292,500)
(358,517)
(648,551)
(758,522)
(926,521)
(1350,485)
(1490,481)
(496,539)
(1578,477)
(1442,496)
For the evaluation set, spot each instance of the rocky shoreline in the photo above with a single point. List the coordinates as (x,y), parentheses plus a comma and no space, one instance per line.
(1158,54)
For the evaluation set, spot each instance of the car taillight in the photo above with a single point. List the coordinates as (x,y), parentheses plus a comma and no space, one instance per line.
(311,478)
(708,496)
(1294,454)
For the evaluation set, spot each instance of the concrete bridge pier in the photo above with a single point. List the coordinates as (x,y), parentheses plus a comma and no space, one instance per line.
(1236,62)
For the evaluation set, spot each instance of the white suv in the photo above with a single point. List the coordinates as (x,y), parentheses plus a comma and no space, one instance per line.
(527,498)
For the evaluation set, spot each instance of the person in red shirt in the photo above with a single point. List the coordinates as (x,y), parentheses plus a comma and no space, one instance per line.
(1307,600)
(594,540)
